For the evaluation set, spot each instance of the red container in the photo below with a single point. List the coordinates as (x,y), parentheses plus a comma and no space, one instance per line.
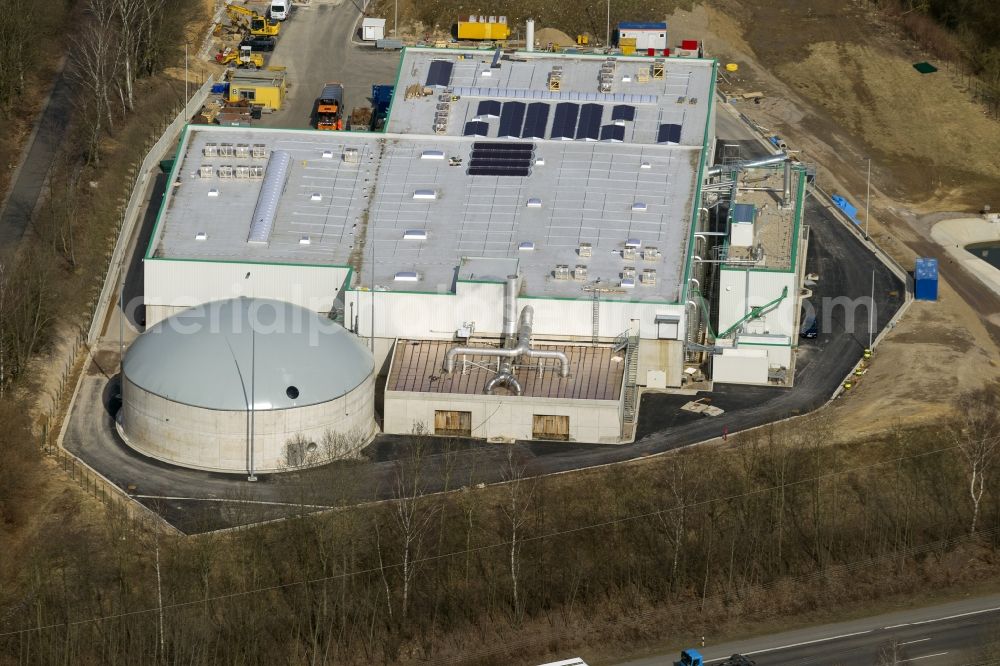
(650,52)
(666,52)
(689,44)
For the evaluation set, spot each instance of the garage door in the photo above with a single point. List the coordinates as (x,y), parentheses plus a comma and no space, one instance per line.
(545,426)
(456,424)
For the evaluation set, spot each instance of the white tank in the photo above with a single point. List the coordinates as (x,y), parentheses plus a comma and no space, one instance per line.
(529,35)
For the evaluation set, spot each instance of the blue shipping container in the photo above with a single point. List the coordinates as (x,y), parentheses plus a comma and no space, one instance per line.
(925,279)
(845,205)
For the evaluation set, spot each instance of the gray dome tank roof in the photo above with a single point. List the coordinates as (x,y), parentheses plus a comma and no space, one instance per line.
(211,356)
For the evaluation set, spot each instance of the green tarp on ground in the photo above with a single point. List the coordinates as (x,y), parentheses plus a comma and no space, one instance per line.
(924,67)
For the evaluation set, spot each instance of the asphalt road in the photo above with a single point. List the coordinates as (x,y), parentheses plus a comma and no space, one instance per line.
(27,185)
(319,45)
(947,634)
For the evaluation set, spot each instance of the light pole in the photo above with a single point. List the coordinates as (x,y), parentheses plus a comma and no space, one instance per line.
(186,97)
(871,312)
(395,19)
(607,34)
(868,196)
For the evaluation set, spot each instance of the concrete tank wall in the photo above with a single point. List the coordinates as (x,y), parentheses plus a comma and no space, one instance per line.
(217,440)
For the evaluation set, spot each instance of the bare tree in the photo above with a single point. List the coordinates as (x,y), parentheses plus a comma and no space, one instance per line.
(515,511)
(96,57)
(976,433)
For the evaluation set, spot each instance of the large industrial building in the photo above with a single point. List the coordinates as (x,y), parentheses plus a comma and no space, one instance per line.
(533,239)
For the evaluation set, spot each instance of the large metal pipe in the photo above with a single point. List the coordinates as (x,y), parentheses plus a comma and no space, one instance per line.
(522,348)
(509,310)
(786,197)
(720,169)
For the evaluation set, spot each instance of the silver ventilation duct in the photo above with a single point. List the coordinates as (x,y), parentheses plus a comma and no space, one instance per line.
(270,193)
(720,169)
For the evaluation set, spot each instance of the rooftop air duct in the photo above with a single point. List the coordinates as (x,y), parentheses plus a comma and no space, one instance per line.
(270,193)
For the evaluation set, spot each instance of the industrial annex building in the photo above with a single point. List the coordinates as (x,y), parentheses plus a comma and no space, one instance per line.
(534,238)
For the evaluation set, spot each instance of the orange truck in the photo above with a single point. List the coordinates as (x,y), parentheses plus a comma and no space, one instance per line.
(329,107)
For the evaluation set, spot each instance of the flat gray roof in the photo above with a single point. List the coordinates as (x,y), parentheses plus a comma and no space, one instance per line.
(681,97)
(406,202)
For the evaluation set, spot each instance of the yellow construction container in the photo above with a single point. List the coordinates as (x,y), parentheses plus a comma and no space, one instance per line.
(264,88)
(627,45)
(732,67)
(487,30)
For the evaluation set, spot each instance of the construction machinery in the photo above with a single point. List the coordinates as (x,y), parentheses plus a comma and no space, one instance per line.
(690,658)
(329,107)
(252,22)
(241,57)
(258,43)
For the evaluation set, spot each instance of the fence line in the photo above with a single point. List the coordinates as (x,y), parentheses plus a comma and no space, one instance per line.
(74,363)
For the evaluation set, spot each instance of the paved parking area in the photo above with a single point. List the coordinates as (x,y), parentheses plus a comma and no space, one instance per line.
(318,45)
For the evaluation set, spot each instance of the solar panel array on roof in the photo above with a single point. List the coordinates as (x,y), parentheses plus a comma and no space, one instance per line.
(488,108)
(669,133)
(535,121)
(439,73)
(623,112)
(564,121)
(590,122)
(613,133)
(511,120)
(476,128)
(501,158)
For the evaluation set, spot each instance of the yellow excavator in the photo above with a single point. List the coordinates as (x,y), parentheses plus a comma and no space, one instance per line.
(251,21)
(242,57)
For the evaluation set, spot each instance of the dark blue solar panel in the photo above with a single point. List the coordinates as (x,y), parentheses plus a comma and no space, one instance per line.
(488,107)
(511,119)
(535,121)
(439,73)
(669,134)
(623,112)
(612,133)
(564,121)
(590,122)
(476,128)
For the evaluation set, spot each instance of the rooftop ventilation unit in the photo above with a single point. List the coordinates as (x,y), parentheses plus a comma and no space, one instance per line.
(649,277)
(327,154)
(256,171)
(432,155)
(415,234)
(206,171)
(241,171)
(210,150)
(639,207)
(259,151)
(633,242)
(526,246)
(305,240)
(628,253)
(650,253)
(226,171)
(585,250)
(242,150)
(628,283)
(425,195)
(200,236)
(628,273)
(534,202)
(275,178)
(225,150)
(561,272)
(645,165)
(406,276)
(214,192)
(580,273)
(315,196)
(352,156)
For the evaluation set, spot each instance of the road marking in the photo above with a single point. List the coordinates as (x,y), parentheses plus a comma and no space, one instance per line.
(928,656)
(897,626)
(952,617)
(795,645)
(919,640)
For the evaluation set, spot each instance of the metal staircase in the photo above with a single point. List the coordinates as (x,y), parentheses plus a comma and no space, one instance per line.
(631,376)
(596,315)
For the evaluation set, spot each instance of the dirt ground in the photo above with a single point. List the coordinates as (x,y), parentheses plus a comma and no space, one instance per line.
(839,88)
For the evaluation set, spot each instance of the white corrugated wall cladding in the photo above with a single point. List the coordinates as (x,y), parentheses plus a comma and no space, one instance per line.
(764,287)
(189,283)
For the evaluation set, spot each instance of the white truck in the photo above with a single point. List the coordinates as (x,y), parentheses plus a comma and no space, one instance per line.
(280,9)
